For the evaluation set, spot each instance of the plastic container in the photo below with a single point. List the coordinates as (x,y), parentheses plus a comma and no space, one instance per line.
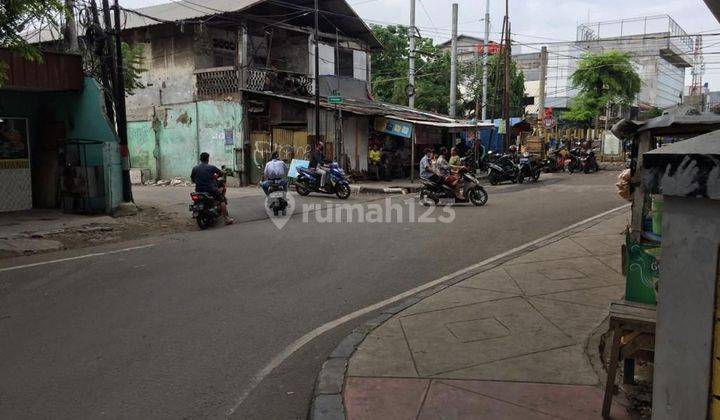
(643,271)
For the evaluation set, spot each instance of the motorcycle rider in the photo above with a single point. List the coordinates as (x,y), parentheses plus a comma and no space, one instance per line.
(275,171)
(317,160)
(427,170)
(205,176)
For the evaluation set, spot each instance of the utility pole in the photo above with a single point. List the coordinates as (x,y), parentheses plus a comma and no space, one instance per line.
(506,96)
(120,111)
(100,50)
(411,65)
(453,63)
(411,85)
(486,52)
(543,76)
(71,35)
(317,73)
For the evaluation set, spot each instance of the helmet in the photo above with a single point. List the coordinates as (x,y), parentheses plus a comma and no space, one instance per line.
(513,148)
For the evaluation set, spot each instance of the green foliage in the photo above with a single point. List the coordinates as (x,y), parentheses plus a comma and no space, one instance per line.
(133,66)
(390,70)
(602,78)
(432,80)
(496,87)
(18,17)
(133,61)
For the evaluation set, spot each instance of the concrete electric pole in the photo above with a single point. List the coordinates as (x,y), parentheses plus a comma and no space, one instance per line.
(486,52)
(543,76)
(411,84)
(453,65)
(411,65)
(317,73)
(71,35)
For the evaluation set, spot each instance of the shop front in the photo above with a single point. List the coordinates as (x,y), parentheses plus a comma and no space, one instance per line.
(57,147)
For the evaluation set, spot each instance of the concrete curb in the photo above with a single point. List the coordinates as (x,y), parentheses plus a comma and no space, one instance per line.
(327,401)
(360,189)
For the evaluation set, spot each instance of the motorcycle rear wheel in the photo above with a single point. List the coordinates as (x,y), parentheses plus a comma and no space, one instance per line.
(478,196)
(204,221)
(536,175)
(300,189)
(426,195)
(493,178)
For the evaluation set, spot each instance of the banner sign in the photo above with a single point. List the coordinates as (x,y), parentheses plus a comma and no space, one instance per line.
(394,127)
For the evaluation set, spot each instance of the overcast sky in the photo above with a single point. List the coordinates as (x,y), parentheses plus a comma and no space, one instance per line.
(535,21)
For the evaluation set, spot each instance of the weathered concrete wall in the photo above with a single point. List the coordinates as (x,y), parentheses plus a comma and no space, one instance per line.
(170,62)
(686,308)
(183,132)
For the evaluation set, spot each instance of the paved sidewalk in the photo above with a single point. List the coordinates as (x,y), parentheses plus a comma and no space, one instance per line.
(507,343)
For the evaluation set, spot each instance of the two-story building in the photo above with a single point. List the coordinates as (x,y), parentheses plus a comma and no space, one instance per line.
(236,79)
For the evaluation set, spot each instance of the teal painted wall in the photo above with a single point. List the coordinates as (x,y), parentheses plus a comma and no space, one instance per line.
(141,142)
(184,131)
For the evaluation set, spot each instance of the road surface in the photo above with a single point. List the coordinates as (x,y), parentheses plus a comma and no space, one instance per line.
(180,327)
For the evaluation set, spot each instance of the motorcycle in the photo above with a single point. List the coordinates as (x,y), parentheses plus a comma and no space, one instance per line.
(205,208)
(573,162)
(473,191)
(588,162)
(337,183)
(277,198)
(528,168)
(502,169)
(555,162)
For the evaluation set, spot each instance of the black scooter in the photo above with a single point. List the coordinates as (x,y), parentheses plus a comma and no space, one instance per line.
(503,168)
(473,191)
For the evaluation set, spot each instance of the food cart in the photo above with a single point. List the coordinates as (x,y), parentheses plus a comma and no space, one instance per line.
(633,321)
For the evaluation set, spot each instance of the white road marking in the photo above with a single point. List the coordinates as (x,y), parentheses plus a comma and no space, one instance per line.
(80,257)
(299,343)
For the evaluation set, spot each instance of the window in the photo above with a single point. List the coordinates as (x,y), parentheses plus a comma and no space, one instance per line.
(345,63)
(224,52)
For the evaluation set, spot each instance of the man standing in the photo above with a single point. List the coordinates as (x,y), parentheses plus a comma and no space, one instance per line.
(275,172)
(204,176)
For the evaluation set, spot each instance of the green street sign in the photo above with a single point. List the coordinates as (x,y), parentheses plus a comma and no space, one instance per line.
(335,100)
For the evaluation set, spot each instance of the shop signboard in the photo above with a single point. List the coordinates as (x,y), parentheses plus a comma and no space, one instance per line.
(394,127)
(15,176)
(14,149)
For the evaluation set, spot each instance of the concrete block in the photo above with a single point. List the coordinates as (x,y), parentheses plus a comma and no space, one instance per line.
(331,377)
(328,407)
(346,347)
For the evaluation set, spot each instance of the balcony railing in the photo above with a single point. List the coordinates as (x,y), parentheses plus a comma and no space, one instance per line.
(217,81)
(264,80)
(221,81)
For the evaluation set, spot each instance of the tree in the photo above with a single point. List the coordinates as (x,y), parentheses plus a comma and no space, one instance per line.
(18,18)
(390,70)
(496,87)
(602,78)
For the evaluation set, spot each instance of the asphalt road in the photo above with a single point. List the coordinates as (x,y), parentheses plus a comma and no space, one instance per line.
(177,330)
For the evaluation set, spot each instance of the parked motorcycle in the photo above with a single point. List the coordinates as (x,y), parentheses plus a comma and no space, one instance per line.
(472,190)
(588,162)
(529,169)
(573,163)
(277,198)
(205,208)
(336,183)
(503,168)
(555,161)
